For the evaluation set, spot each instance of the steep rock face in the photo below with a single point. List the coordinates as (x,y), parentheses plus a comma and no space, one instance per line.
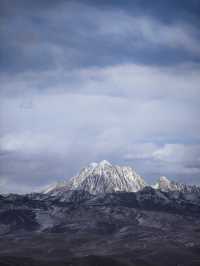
(102,178)
(165,184)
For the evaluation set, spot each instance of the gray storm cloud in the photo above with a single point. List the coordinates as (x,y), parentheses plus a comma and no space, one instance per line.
(83,83)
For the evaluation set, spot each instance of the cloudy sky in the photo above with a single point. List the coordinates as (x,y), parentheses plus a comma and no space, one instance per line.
(82,81)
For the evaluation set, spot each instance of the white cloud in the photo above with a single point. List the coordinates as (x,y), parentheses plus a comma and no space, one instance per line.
(170,152)
(180,153)
(56,120)
(107,108)
(180,82)
(141,151)
(28,142)
(177,161)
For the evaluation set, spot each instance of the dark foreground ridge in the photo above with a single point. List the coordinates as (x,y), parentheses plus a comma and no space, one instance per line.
(149,227)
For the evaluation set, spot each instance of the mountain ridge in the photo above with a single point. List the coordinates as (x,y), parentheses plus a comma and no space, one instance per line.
(72,224)
(164,184)
(103,177)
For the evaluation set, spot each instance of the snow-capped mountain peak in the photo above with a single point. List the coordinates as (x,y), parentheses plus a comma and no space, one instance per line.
(103,177)
(104,163)
(93,164)
(164,184)
(164,179)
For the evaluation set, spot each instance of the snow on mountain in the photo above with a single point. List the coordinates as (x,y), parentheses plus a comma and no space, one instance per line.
(165,184)
(103,177)
(100,178)
(54,186)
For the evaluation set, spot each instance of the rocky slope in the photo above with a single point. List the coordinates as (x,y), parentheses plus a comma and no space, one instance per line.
(40,212)
(121,228)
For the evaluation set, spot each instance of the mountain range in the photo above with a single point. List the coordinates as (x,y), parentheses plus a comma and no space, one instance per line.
(105,215)
(103,177)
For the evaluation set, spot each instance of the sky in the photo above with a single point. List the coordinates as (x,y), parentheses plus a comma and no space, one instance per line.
(83,81)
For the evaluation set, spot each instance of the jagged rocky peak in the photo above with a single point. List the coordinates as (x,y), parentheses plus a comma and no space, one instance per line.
(165,184)
(103,177)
